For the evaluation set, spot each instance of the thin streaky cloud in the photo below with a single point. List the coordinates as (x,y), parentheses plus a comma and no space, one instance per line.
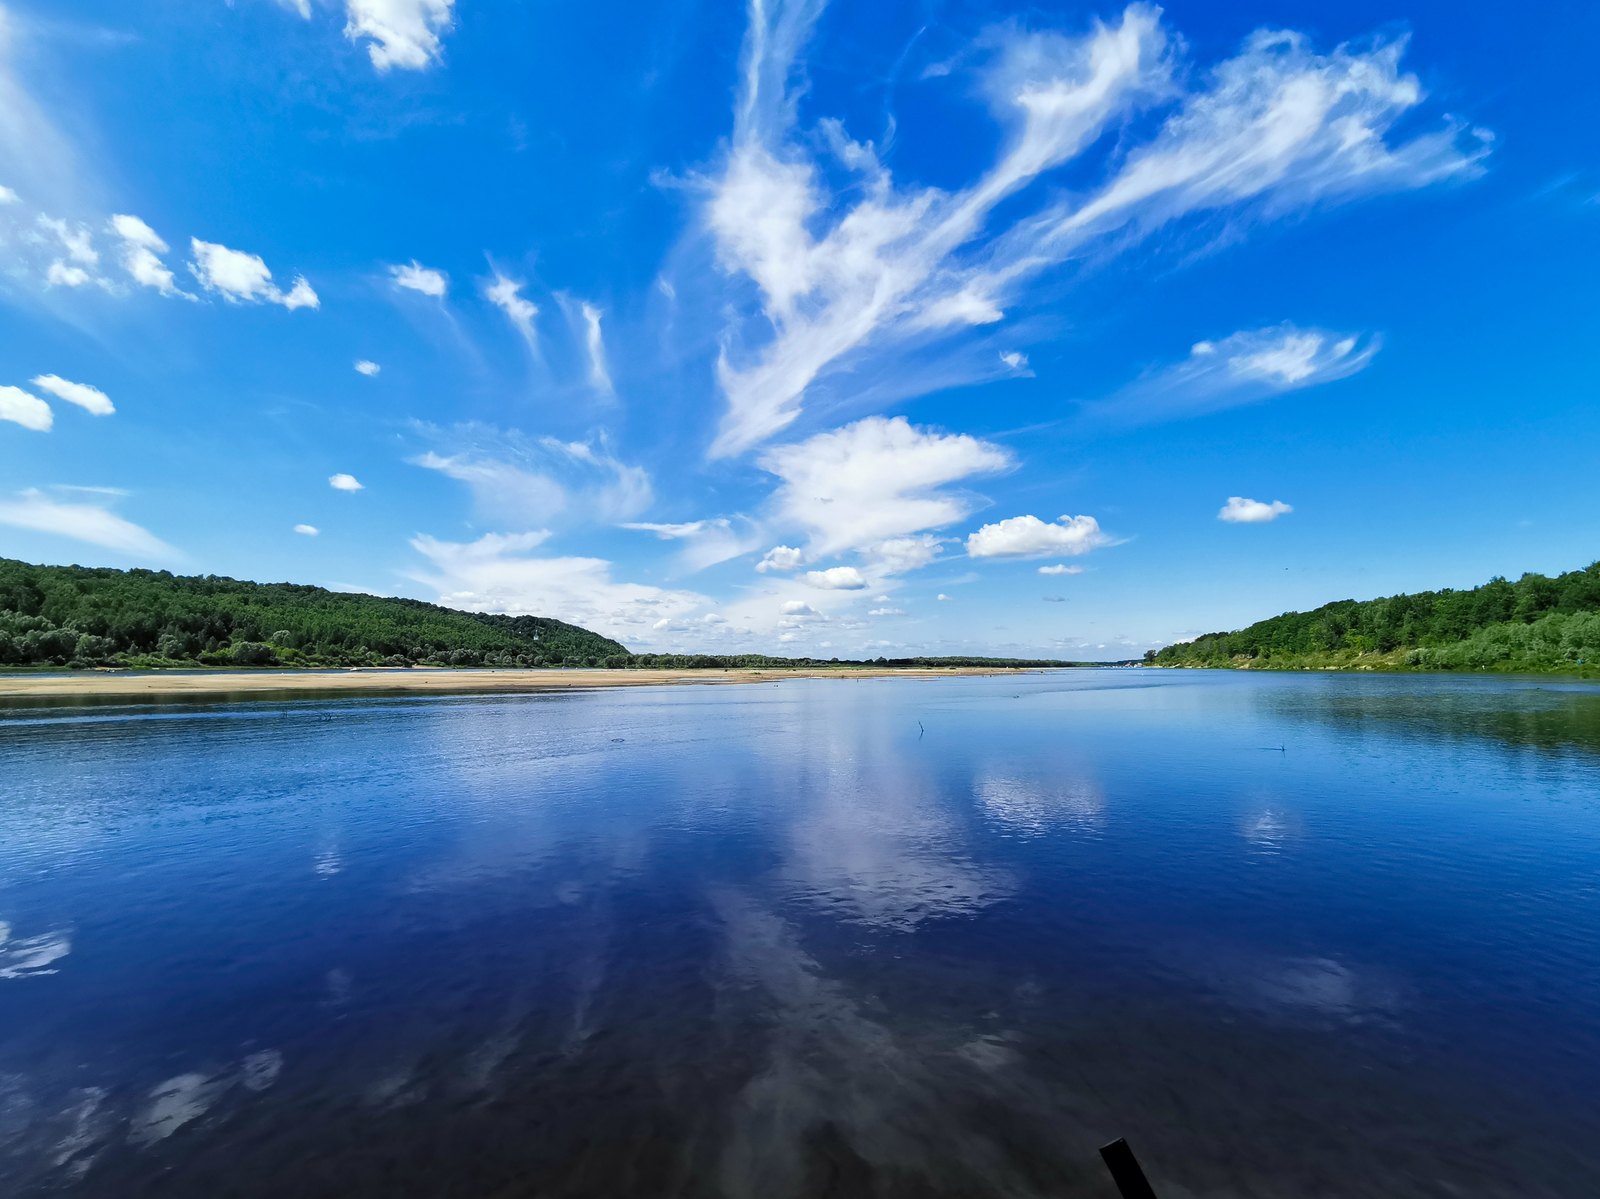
(1274,129)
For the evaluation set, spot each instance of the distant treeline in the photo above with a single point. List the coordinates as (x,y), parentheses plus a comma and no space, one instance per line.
(1536,623)
(78,617)
(762,662)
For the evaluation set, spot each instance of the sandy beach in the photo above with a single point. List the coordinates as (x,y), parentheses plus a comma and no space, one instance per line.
(421,679)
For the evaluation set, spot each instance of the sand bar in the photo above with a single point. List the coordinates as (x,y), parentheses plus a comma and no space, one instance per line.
(422,679)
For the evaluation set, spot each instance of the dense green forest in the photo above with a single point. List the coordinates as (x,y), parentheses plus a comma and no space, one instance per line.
(75,617)
(1537,623)
(79,617)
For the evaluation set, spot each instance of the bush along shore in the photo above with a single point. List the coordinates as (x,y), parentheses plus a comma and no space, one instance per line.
(1537,624)
(77,618)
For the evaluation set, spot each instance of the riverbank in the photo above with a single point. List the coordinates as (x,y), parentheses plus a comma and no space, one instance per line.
(1399,661)
(422,679)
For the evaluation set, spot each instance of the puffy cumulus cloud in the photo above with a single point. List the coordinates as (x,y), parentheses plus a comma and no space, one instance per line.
(505,293)
(1059,569)
(886,612)
(60,274)
(141,251)
(517,480)
(29,411)
(367,367)
(413,276)
(402,33)
(1241,511)
(343,482)
(869,485)
(1246,367)
(499,573)
(1030,537)
(835,578)
(782,557)
(1274,129)
(244,278)
(89,398)
(35,511)
(798,608)
(307,530)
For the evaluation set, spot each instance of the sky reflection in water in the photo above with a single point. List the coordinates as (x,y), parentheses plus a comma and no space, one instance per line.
(1290,935)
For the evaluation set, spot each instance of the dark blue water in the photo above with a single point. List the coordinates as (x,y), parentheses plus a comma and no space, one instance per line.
(1291,935)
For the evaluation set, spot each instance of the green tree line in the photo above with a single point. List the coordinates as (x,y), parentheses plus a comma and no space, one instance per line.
(1535,623)
(80,617)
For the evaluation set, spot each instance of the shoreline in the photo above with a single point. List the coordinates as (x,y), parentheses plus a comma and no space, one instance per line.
(423,680)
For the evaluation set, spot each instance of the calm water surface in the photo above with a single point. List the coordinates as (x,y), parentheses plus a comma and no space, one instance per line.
(1291,935)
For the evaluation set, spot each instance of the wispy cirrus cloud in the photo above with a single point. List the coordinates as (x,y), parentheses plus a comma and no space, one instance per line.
(1275,129)
(1244,368)
(91,523)
(518,480)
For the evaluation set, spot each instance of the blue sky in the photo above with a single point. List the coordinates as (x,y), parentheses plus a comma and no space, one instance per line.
(840,330)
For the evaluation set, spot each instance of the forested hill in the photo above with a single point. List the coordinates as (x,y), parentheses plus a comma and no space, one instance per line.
(75,616)
(1536,623)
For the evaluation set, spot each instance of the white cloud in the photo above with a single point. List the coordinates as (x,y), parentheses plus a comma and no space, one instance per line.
(367,367)
(1059,569)
(836,578)
(505,292)
(62,275)
(501,489)
(1016,360)
(307,530)
(303,7)
(343,482)
(1244,368)
(82,522)
(1241,511)
(707,541)
(81,394)
(23,409)
(244,278)
(1030,537)
(404,33)
(799,608)
(693,528)
(517,480)
(886,612)
(781,557)
(869,484)
(1274,129)
(496,574)
(141,246)
(599,376)
(78,242)
(7,196)
(943,596)
(415,277)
